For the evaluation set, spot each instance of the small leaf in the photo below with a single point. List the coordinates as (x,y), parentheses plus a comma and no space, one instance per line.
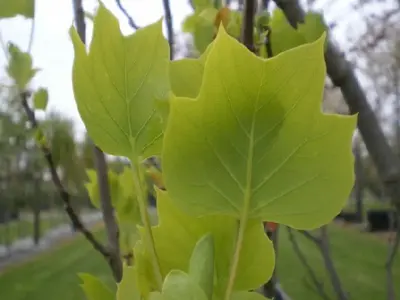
(13,8)
(95,289)
(179,285)
(201,267)
(223,16)
(127,288)
(118,84)
(40,99)
(20,66)
(189,23)
(254,144)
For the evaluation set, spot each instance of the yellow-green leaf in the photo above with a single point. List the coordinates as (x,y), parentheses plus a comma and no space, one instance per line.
(255,143)
(95,289)
(178,286)
(20,66)
(40,99)
(118,84)
(127,288)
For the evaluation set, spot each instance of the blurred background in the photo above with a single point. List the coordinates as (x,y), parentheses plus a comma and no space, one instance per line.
(41,252)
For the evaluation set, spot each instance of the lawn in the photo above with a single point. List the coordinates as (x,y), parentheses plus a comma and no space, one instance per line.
(359,259)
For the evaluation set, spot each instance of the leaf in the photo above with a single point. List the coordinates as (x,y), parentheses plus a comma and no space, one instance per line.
(118,84)
(255,144)
(127,288)
(178,286)
(201,266)
(13,8)
(95,289)
(285,37)
(40,99)
(247,296)
(203,35)
(176,237)
(20,66)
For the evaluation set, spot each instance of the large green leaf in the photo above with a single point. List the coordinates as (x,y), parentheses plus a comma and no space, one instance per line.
(285,37)
(255,144)
(247,296)
(179,285)
(178,233)
(13,8)
(127,288)
(118,84)
(95,289)
(20,66)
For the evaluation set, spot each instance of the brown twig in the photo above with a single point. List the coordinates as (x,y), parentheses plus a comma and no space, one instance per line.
(170,27)
(318,285)
(65,196)
(131,22)
(248,24)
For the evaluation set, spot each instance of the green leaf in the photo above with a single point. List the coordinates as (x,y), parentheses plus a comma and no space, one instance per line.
(203,35)
(202,4)
(176,237)
(20,66)
(189,23)
(247,296)
(13,8)
(40,99)
(127,288)
(285,37)
(201,266)
(95,289)
(179,285)
(118,84)
(255,144)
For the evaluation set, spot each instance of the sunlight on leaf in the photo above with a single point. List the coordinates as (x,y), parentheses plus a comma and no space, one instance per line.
(179,285)
(95,289)
(127,288)
(255,144)
(118,84)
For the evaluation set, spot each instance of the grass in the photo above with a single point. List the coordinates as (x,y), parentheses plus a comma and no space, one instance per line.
(359,258)
(24,228)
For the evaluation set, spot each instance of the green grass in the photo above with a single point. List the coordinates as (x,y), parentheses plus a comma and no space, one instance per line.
(358,257)
(24,228)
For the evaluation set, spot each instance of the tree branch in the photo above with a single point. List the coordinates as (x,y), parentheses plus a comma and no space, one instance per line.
(65,196)
(170,28)
(248,24)
(115,261)
(318,285)
(131,22)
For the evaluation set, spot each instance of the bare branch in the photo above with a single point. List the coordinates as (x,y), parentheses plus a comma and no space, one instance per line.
(318,285)
(248,24)
(65,196)
(131,22)
(393,249)
(170,27)
(114,257)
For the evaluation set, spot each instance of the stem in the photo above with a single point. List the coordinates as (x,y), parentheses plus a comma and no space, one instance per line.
(149,240)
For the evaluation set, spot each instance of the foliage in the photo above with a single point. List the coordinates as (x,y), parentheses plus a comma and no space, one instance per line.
(242,141)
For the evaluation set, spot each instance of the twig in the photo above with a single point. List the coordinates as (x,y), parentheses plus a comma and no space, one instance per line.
(248,24)
(393,249)
(170,28)
(318,285)
(65,196)
(310,236)
(31,35)
(131,22)
(114,257)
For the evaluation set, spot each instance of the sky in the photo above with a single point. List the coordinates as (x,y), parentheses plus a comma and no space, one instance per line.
(52,49)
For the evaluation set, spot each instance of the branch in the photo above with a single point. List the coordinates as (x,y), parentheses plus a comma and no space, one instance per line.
(131,22)
(65,196)
(390,261)
(114,255)
(318,285)
(248,24)
(170,28)
(312,237)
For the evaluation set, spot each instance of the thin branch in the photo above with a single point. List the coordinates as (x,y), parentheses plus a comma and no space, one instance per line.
(65,196)
(131,22)
(393,249)
(170,27)
(318,285)
(115,260)
(31,35)
(248,24)
(310,236)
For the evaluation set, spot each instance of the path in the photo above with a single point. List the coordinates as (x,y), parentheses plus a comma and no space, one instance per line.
(24,249)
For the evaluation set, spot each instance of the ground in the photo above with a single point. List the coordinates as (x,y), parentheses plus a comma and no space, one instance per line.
(359,258)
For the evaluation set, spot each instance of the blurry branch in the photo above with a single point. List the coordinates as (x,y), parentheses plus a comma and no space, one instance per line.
(296,247)
(114,258)
(322,242)
(170,27)
(131,22)
(248,24)
(65,196)
(393,248)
